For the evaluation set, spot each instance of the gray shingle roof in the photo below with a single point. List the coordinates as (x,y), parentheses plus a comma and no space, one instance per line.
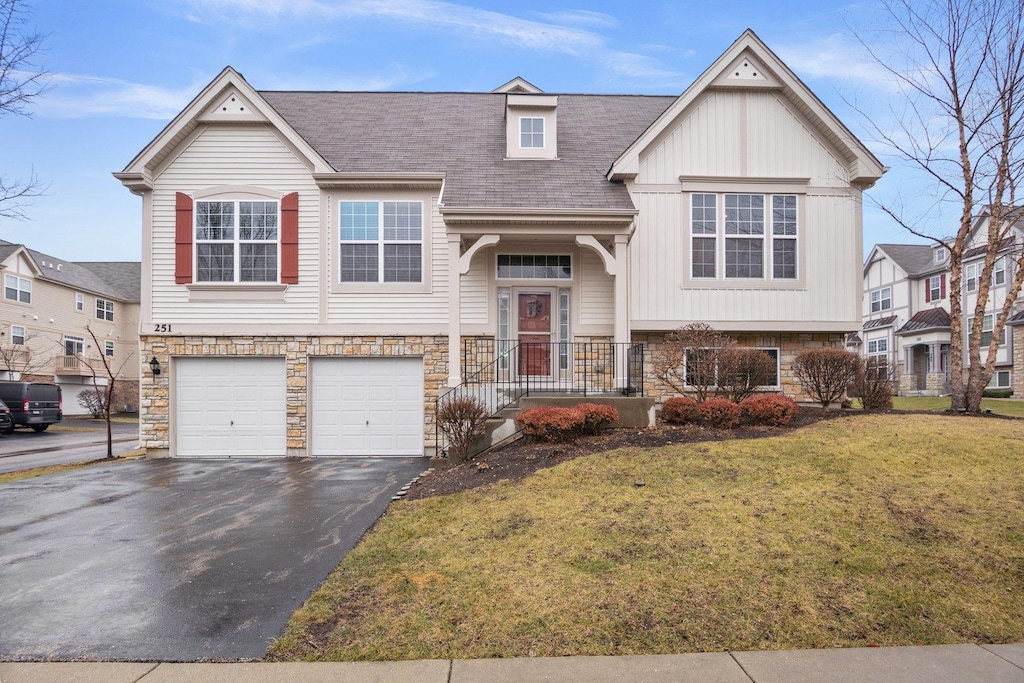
(120,280)
(915,259)
(463,136)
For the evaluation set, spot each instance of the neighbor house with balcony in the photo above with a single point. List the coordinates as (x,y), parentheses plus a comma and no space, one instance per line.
(48,308)
(906,311)
(320,268)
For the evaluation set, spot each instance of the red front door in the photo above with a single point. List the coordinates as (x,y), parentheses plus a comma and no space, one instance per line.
(534,333)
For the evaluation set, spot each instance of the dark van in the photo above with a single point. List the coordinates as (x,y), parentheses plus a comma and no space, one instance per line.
(33,404)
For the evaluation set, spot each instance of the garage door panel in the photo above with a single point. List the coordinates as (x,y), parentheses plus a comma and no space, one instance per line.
(367,406)
(230,406)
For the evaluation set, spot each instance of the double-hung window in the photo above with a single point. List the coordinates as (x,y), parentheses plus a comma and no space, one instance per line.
(878,346)
(79,301)
(382,241)
(237,241)
(755,238)
(17,335)
(971,276)
(986,330)
(108,348)
(933,286)
(881,299)
(104,310)
(999,271)
(531,132)
(17,289)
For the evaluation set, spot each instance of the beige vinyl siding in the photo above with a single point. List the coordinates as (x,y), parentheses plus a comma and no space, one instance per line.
(395,308)
(741,134)
(597,291)
(235,155)
(660,257)
(474,288)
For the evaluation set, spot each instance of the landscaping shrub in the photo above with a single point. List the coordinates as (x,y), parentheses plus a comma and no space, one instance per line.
(874,384)
(461,419)
(997,393)
(597,417)
(679,410)
(825,374)
(742,370)
(548,423)
(775,410)
(719,413)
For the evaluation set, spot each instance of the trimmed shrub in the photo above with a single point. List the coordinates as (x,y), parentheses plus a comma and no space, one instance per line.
(874,384)
(461,419)
(719,413)
(774,410)
(548,423)
(825,374)
(997,393)
(742,370)
(679,410)
(597,417)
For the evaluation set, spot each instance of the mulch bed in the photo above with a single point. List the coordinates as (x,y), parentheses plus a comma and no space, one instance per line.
(522,458)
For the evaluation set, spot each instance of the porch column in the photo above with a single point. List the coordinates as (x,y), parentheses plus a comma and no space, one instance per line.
(454,311)
(621,307)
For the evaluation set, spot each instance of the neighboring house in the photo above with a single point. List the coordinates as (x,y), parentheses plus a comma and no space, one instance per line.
(46,311)
(906,310)
(320,266)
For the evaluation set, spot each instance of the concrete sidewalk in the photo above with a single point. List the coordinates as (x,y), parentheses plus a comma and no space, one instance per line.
(934,664)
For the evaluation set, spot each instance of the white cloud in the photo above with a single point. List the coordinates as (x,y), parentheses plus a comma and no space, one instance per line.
(82,95)
(838,57)
(580,17)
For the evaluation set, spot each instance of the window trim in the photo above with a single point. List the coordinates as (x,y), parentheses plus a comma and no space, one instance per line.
(19,282)
(80,342)
(993,383)
(881,341)
(999,269)
(23,335)
(108,348)
(987,320)
(80,302)
(563,280)
(941,255)
(236,241)
(381,242)
(104,309)
(933,293)
(768,191)
(871,299)
(427,202)
(971,277)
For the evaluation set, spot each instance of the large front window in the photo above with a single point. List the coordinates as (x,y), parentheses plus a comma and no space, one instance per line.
(237,241)
(756,237)
(382,241)
(104,310)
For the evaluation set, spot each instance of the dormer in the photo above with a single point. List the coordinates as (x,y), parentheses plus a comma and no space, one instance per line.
(531,123)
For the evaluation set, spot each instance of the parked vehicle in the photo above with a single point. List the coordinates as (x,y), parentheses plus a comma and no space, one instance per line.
(32,404)
(6,426)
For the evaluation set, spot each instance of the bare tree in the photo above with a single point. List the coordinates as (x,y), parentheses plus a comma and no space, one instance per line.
(21,82)
(34,356)
(688,359)
(825,374)
(960,122)
(104,363)
(742,370)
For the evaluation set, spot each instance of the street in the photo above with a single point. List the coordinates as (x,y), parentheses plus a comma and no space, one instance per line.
(73,440)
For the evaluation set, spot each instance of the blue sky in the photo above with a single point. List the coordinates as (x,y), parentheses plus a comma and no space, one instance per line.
(123,68)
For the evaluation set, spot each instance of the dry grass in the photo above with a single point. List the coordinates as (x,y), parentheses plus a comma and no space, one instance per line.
(886,529)
(1000,406)
(8,477)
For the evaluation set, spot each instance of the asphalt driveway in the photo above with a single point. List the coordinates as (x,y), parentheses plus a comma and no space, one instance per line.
(178,560)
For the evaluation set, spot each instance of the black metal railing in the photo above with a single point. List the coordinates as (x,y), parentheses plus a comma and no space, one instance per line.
(500,372)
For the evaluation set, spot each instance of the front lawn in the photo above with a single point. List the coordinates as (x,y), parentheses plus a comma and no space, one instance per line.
(999,406)
(858,531)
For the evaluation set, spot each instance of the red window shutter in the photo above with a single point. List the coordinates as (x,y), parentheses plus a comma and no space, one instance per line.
(290,239)
(182,238)
(942,287)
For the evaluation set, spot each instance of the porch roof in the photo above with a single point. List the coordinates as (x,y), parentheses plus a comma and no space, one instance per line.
(931,319)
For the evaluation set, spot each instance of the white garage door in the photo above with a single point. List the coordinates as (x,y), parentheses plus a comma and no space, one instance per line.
(229,406)
(367,406)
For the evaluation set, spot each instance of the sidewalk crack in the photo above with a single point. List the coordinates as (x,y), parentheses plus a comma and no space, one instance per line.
(742,668)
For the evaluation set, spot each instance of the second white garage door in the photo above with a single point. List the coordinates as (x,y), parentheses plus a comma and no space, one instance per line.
(366,406)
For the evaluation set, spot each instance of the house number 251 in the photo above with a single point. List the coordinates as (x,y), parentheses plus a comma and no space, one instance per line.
(161,327)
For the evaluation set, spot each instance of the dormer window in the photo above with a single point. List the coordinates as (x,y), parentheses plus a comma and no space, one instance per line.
(940,254)
(531,133)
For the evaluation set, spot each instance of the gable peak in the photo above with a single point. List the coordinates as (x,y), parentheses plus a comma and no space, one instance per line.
(518,85)
(231,105)
(746,71)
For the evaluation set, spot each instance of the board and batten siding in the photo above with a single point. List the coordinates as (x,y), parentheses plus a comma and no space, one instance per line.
(235,155)
(734,134)
(597,291)
(475,291)
(391,309)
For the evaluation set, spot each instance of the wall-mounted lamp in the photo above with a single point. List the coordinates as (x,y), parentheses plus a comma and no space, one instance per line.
(154,365)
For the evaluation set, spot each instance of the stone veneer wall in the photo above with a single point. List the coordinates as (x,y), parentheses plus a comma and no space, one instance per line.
(789,345)
(1017,380)
(296,351)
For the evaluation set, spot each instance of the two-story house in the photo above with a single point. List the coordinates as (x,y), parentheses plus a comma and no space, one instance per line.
(320,267)
(48,307)
(906,309)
